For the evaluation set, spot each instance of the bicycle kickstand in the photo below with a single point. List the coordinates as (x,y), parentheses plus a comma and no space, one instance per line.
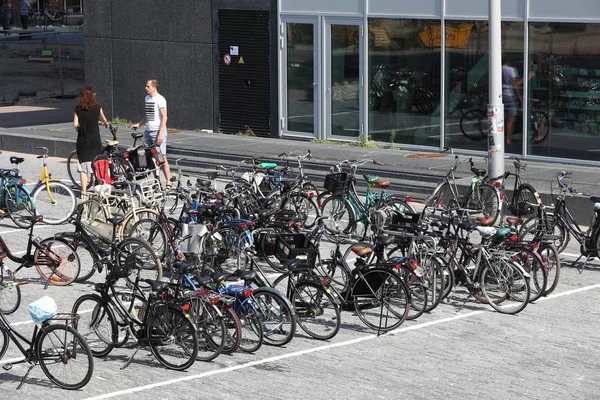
(31,365)
(130,359)
(463,303)
(580,269)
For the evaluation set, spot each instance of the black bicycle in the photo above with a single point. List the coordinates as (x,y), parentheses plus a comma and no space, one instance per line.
(56,346)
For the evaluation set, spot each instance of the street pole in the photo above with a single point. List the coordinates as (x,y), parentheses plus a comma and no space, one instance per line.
(495,111)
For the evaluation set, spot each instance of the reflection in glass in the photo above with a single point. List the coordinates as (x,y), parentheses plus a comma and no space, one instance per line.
(564,96)
(345,74)
(300,78)
(467,77)
(404,73)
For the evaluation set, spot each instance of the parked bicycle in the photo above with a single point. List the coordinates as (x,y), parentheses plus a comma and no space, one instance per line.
(16,198)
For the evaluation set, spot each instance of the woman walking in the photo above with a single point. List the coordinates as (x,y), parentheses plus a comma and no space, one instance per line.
(85,121)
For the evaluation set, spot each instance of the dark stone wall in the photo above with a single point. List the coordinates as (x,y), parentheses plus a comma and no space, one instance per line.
(129,42)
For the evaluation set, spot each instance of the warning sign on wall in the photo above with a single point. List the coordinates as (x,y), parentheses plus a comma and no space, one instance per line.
(241,60)
(227,59)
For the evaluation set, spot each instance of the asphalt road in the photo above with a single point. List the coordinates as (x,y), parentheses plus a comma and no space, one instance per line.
(549,351)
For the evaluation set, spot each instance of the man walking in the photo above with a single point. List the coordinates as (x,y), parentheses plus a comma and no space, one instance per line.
(155,118)
(25,7)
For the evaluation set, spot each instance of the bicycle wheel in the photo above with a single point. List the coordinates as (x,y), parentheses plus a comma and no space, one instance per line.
(87,260)
(534,266)
(504,286)
(134,216)
(316,311)
(96,324)
(417,290)
(381,299)
(4,340)
(304,206)
(210,329)
(252,332)
(340,215)
(120,168)
(442,197)
(151,231)
(10,297)
(541,126)
(137,256)
(171,337)
(276,316)
(56,261)
(525,201)
(171,203)
(72,166)
(56,202)
(233,328)
(64,356)
(485,201)
(534,229)
(223,247)
(551,259)
(471,125)
(266,246)
(19,205)
(310,189)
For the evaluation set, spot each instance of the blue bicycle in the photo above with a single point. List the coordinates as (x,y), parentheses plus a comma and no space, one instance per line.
(15,198)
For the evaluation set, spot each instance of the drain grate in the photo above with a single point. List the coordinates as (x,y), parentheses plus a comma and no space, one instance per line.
(425,155)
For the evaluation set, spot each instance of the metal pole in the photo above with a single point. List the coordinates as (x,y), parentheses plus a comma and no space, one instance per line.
(60,69)
(495,106)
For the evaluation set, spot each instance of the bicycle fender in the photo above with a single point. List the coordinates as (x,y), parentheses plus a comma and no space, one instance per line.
(525,273)
(276,292)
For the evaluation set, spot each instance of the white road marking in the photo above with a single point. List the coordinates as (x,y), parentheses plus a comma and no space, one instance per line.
(320,348)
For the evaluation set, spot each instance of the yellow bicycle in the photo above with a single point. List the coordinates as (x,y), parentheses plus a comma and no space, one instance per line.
(54,200)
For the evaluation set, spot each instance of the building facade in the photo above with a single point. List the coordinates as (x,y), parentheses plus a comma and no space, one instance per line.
(410,73)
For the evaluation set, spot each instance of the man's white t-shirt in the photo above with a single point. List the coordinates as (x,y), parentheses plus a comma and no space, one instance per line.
(508,74)
(152,106)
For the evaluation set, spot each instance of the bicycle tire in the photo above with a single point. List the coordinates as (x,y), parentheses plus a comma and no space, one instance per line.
(87,258)
(551,258)
(147,264)
(534,265)
(19,205)
(534,230)
(374,292)
(61,350)
(233,328)
(441,197)
(211,331)
(417,290)
(470,125)
(10,297)
(96,323)
(316,310)
(72,167)
(340,215)
(59,208)
(525,201)
(276,316)
(486,201)
(4,342)
(540,117)
(69,264)
(303,206)
(252,332)
(151,231)
(171,336)
(133,216)
(310,189)
(222,246)
(504,286)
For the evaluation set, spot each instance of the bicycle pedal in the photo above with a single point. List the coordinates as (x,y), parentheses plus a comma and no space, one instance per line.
(7,367)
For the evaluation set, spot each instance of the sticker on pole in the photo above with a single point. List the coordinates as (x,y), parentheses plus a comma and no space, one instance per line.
(227,59)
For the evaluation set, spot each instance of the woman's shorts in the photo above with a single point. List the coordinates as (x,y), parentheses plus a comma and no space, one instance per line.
(86,167)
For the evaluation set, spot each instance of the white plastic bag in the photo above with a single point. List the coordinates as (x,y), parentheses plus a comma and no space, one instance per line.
(42,310)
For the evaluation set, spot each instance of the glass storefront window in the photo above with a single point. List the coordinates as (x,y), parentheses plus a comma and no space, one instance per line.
(404,73)
(300,77)
(467,87)
(564,100)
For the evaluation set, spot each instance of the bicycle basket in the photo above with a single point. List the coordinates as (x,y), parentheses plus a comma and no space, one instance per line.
(405,222)
(150,192)
(337,182)
(289,246)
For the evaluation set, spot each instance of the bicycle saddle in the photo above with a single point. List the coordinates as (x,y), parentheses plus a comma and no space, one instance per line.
(33,218)
(159,286)
(183,267)
(293,264)
(203,182)
(245,275)
(16,160)
(203,280)
(112,143)
(115,220)
(360,250)
(219,276)
(479,172)
(467,225)
(514,220)
(595,199)
(137,135)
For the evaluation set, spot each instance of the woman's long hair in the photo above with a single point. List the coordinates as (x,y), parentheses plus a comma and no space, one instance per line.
(87,98)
